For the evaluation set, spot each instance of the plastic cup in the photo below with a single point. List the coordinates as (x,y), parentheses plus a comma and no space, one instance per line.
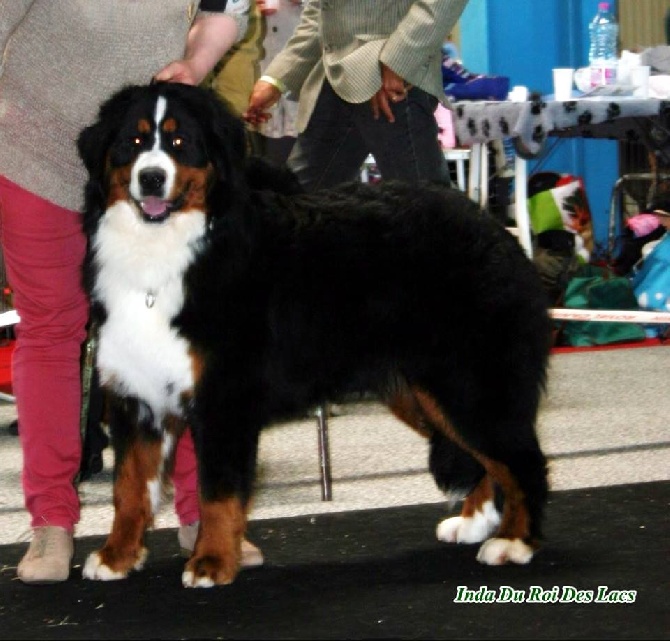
(639,78)
(518,94)
(271,6)
(563,83)
(583,78)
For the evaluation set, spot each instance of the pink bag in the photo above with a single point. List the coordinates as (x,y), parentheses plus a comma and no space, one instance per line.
(445,125)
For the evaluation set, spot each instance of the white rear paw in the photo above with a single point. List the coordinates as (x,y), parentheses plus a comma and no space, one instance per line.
(469,530)
(94,569)
(497,551)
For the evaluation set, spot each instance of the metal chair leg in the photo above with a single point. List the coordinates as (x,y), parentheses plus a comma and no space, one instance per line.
(324,453)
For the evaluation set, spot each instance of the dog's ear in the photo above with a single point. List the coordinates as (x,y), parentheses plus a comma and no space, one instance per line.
(95,140)
(92,144)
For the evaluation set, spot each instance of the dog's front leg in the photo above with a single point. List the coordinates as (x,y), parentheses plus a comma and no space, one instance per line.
(226,453)
(216,557)
(136,490)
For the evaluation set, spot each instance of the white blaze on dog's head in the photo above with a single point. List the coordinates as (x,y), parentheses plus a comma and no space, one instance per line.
(158,159)
(153,174)
(155,220)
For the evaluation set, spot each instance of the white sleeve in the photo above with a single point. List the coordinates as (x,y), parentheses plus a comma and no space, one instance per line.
(238,10)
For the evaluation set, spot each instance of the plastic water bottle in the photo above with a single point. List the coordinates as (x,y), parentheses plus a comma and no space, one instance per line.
(603,34)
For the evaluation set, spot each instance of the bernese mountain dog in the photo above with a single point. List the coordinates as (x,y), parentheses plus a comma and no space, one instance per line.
(225,299)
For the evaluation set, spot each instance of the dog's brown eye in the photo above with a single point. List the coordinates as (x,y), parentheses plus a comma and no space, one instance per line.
(137,141)
(177,142)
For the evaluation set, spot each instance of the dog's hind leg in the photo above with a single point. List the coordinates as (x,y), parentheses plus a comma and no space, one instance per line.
(513,463)
(478,520)
(139,454)
(456,472)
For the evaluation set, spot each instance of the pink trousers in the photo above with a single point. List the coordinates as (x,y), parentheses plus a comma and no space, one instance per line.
(43,247)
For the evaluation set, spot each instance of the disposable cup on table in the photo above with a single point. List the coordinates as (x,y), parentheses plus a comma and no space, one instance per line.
(563,77)
(639,78)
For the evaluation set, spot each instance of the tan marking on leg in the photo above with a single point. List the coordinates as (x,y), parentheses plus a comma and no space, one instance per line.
(216,557)
(132,506)
(515,522)
(478,519)
(173,428)
(482,493)
(405,407)
(197,364)
(515,519)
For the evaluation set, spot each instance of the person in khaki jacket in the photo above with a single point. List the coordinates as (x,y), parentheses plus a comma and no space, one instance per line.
(367,77)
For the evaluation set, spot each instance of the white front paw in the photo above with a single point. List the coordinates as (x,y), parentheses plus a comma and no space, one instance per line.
(95,569)
(497,551)
(189,580)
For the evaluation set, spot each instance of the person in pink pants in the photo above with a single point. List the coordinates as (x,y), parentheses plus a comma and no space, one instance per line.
(58,63)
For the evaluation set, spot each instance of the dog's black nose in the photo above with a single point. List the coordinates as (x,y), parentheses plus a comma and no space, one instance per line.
(152,181)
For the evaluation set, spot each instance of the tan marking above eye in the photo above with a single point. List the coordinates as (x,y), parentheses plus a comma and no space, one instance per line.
(143,126)
(169,125)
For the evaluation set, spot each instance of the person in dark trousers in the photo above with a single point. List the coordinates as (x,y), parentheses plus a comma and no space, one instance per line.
(368,78)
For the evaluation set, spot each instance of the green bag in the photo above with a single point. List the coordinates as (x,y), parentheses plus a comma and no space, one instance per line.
(597,288)
(559,202)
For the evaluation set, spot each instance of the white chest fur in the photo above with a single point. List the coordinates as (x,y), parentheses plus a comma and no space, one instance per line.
(140,353)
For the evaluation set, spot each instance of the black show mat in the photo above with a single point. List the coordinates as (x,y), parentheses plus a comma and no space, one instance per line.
(380,574)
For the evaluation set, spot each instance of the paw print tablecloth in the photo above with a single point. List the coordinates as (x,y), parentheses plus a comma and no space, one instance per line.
(531,123)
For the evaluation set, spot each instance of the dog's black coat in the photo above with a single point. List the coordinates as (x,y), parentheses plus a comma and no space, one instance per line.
(295,299)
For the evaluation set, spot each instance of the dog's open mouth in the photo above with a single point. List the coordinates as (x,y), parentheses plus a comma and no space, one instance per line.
(155,209)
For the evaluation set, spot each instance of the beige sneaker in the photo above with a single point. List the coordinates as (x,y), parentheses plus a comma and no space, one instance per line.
(187,534)
(48,557)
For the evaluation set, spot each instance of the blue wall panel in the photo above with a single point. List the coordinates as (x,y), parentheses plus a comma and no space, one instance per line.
(525,39)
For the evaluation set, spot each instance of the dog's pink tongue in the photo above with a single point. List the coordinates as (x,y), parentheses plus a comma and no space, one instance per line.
(154,206)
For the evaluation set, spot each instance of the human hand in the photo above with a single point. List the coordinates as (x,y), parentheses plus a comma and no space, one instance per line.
(178,71)
(393,89)
(263,96)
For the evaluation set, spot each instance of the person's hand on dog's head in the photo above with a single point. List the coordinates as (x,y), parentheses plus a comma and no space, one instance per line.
(177,71)
(210,37)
